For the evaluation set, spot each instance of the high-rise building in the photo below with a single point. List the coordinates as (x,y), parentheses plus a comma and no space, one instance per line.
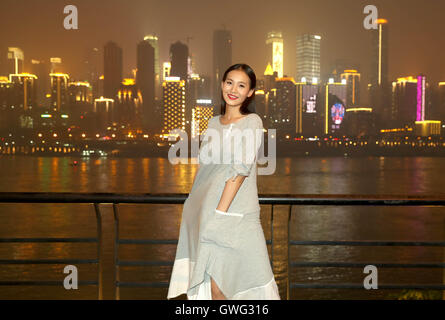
(174,96)
(59,91)
(166,67)
(439,107)
(154,42)
(307,112)
(222,60)
(379,86)
(128,105)
(201,114)
(179,53)
(283,106)
(308,57)
(25,90)
(197,88)
(80,100)
(56,65)
(113,69)
(379,68)
(104,113)
(42,70)
(260,103)
(274,44)
(93,64)
(334,106)
(409,100)
(352,78)
(269,78)
(145,80)
(6,103)
(17,60)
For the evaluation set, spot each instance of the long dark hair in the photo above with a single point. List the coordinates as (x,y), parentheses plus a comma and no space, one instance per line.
(248,105)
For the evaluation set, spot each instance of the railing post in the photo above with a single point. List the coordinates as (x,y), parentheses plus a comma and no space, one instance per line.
(116,251)
(107,268)
(288,252)
(99,251)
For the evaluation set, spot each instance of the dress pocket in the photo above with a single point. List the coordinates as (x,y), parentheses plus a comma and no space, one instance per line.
(223,229)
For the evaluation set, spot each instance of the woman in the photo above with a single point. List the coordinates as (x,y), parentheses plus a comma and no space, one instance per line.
(222,251)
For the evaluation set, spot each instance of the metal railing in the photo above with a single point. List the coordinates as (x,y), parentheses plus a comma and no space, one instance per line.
(274,200)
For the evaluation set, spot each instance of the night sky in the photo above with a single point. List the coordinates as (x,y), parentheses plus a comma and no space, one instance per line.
(416,31)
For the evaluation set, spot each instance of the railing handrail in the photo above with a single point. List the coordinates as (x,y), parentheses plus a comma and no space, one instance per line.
(179,198)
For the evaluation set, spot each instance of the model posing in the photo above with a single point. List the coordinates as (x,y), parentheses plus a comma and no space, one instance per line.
(222,252)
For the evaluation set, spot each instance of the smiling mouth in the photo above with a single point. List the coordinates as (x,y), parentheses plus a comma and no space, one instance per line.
(232,97)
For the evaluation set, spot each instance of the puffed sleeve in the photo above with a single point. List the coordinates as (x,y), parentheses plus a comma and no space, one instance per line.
(249,146)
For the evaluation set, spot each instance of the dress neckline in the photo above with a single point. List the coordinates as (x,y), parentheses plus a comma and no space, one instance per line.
(219,120)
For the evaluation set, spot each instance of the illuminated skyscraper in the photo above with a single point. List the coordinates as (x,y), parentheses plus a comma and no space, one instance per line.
(93,69)
(222,59)
(128,105)
(104,110)
(174,104)
(179,53)
(25,90)
(379,70)
(202,112)
(307,115)
(56,65)
(145,80)
(113,69)
(282,115)
(274,43)
(409,100)
(59,91)
(154,42)
(335,106)
(308,57)
(42,70)
(379,86)
(17,59)
(352,78)
(166,67)
(269,78)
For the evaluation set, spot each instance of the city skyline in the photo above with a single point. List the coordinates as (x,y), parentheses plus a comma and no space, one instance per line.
(345,39)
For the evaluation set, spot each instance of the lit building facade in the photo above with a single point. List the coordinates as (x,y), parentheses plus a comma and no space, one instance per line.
(174,96)
(352,78)
(274,44)
(222,59)
(308,57)
(201,114)
(335,106)
(408,100)
(59,91)
(128,105)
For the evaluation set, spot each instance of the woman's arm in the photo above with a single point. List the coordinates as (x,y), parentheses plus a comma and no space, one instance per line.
(195,175)
(231,188)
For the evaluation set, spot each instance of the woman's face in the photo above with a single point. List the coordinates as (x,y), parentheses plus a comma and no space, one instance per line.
(236,88)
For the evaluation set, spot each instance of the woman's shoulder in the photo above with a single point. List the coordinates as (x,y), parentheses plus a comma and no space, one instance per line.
(255,120)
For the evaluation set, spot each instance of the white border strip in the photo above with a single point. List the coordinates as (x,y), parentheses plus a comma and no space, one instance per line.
(229,213)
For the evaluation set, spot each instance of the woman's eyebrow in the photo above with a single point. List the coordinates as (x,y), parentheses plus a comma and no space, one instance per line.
(238,81)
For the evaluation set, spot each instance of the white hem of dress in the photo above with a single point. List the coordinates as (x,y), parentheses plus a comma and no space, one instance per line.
(181,274)
(180,278)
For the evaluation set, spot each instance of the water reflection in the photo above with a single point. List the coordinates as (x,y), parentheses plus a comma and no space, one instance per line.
(368,175)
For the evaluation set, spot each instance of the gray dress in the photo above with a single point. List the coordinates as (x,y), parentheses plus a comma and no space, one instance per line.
(229,247)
